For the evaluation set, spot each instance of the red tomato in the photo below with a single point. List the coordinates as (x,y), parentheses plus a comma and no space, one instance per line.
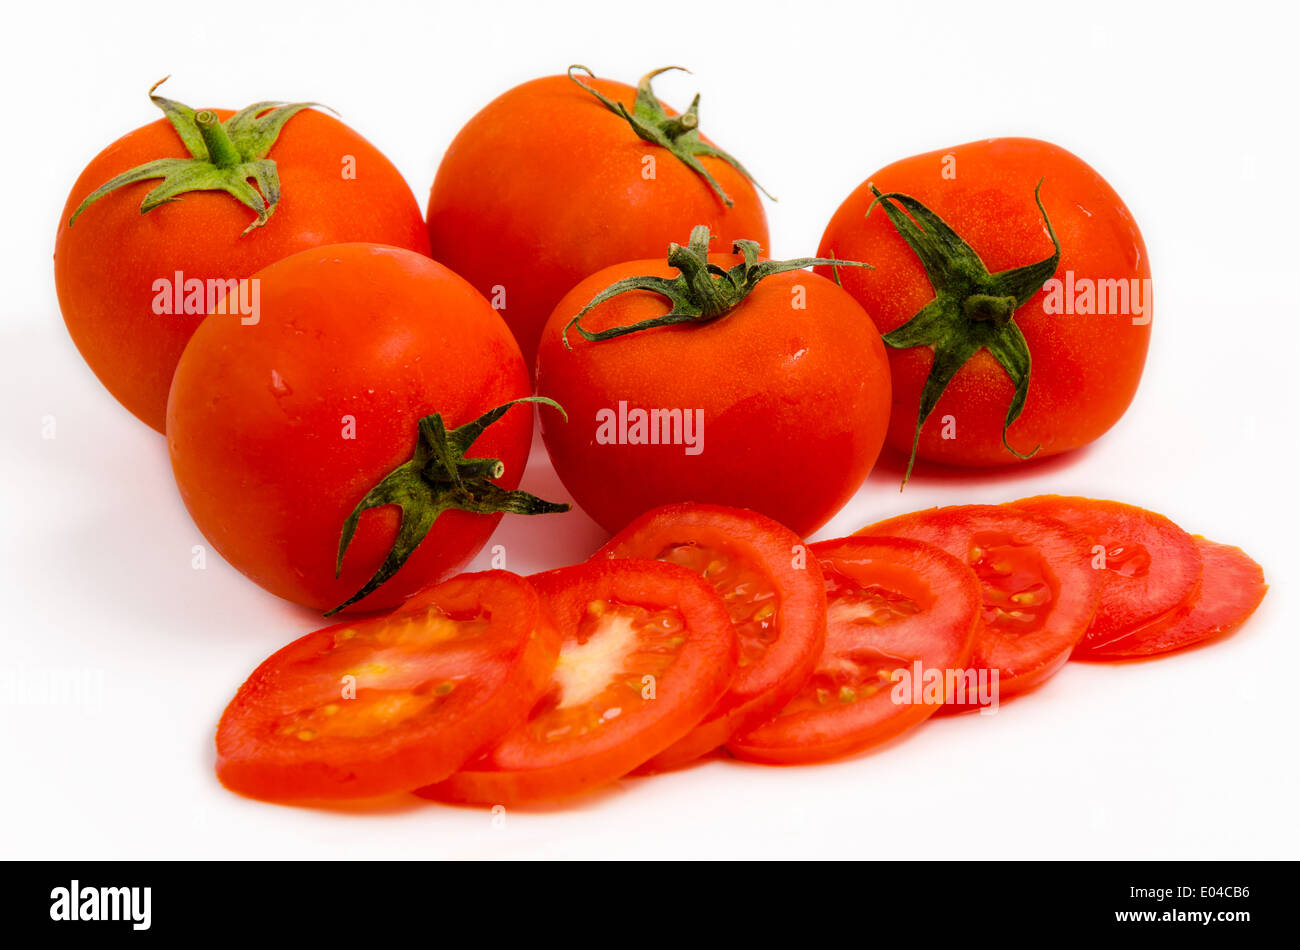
(1040,592)
(1087,353)
(119,273)
(895,608)
(1231,587)
(773,591)
(1147,564)
(279,429)
(390,703)
(779,406)
(648,650)
(546,185)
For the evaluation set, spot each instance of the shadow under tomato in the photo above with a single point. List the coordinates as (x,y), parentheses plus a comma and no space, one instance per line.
(892,464)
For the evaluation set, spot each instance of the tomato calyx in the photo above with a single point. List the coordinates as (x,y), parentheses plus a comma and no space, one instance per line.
(972,309)
(702,291)
(226,156)
(439,478)
(679,134)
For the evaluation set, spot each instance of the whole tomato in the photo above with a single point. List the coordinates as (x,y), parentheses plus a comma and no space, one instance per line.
(323,449)
(1014,291)
(133,285)
(739,382)
(564,175)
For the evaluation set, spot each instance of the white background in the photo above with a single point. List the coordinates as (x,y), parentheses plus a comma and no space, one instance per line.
(1188,112)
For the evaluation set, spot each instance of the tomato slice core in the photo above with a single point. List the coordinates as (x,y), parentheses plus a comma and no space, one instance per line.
(893,605)
(648,650)
(774,594)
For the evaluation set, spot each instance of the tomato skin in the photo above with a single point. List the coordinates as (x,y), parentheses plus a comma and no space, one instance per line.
(499,674)
(525,768)
(1230,589)
(1151,564)
(106,264)
(545,186)
(794,402)
(1028,659)
(769,550)
(258,416)
(940,635)
(1085,368)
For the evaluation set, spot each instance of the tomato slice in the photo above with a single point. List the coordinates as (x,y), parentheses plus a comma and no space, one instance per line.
(902,617)
(1039,590)
(648,650)
(775,595)
(388,704)
(1147,565)
(1231,587)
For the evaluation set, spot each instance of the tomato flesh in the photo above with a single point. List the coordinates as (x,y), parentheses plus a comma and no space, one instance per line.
(1039,592)
(648,649)
(1146,564)
(774,594)
(381,705)
(892,604)
(1231,587)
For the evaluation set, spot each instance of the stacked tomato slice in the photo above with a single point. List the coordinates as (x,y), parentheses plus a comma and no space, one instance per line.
(700,627)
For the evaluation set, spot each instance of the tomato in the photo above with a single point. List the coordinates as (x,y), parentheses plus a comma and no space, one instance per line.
(648,650)
(390,703)
(1039,590)
(283,432)
(778,403)
(1231,587)
(1147,564)
(902,617)
(548,184)
(120,274)
(1041,315)
(774,594)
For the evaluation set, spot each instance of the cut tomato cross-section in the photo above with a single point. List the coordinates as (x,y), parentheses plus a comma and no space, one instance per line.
(902,617)
(648,649)
(387,704)
(774,593)
(1231,587)
(1039,591)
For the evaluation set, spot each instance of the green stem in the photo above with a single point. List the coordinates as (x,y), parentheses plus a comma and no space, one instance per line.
(221,151)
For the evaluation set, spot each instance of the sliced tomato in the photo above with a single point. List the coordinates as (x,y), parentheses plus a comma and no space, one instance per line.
(1039,590)
(902,618)
(648,650)
(1231,587)
(775,595)
(391,703)
(1147,565)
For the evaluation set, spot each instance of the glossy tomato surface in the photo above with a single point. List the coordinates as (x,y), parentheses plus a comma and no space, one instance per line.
(902,619)
(648,650)
(545,186)
(1231,587)
(387,704)
(1085,364)
(1145,563)
(774,593)
(1039,589)
(788,395)
(278,429)
(107,265)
